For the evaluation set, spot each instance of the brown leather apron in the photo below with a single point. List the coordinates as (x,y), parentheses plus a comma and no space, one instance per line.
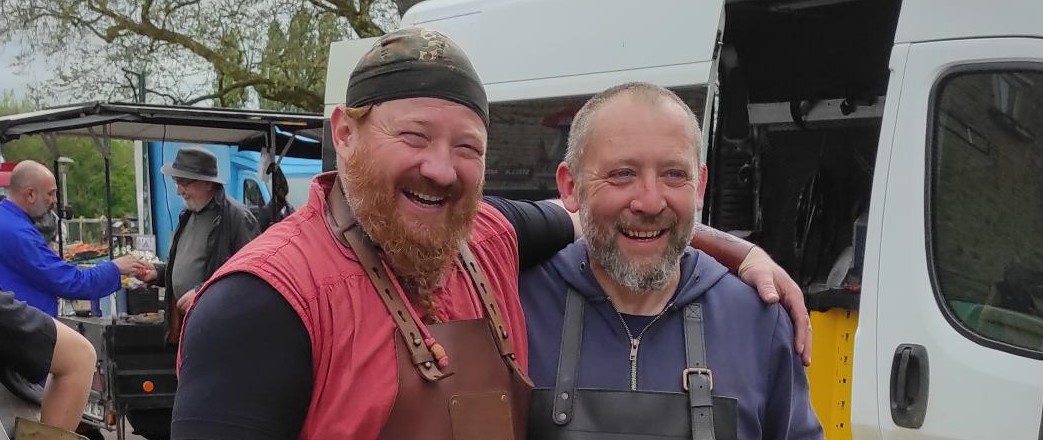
(483,395)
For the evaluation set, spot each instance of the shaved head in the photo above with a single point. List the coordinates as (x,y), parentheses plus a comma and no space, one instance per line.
(33,188)
(28,173)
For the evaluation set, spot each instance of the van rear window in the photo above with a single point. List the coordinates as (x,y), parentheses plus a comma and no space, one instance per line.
(527,141)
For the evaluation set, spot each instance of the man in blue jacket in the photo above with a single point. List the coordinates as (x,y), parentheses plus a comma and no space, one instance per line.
(28,267)
(633,334)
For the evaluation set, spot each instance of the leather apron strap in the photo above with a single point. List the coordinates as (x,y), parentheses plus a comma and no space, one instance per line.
(697,379)
(492,311)
(568,359)
(349,233)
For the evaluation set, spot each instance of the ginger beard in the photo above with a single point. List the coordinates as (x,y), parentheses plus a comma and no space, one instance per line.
(638,277)
(418,250)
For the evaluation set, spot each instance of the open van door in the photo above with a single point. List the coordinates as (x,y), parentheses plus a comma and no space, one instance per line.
(540,60)
(954,285)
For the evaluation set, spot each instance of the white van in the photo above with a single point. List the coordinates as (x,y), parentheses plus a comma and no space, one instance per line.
(889,154)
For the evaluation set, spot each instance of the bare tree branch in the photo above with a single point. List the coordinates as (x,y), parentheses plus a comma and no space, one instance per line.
(172,98)
(322,6)
(218,48)
(294,95)
(173,7)
(224,91)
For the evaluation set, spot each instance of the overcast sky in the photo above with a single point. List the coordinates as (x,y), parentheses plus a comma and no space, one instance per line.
(10,79)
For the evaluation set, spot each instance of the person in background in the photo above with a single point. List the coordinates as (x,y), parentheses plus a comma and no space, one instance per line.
(48,225)
(211,228)
(34,345)
(278,208)
(29,267)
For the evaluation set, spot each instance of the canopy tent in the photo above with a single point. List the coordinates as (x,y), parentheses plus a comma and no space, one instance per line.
(248,129)
(274,134)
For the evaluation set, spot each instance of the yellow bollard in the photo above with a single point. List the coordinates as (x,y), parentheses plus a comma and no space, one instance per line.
(829,376)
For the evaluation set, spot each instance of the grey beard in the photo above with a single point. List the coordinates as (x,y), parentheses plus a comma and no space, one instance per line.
(631,277)
(196,209)
(636,278)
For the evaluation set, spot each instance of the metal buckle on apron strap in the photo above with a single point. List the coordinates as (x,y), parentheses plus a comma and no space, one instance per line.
(687,372)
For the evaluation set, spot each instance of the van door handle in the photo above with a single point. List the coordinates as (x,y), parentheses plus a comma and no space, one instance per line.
(910,379)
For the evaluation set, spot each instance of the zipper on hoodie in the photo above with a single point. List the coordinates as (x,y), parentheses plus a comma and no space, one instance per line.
(635,342)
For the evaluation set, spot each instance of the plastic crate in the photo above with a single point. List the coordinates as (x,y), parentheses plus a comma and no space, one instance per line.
(142,300)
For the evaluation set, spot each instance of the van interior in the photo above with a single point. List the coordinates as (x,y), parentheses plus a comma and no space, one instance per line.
(799,117)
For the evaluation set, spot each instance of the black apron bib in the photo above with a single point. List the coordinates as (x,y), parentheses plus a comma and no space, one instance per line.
(568,413)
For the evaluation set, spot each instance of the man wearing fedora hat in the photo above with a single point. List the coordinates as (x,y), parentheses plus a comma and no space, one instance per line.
(210,229)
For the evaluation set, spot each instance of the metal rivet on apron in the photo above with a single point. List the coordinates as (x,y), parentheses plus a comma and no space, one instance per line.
(583,265)
(427,364)
(503,333)
(417,341)
(564,396)
(562,417)
(503,397)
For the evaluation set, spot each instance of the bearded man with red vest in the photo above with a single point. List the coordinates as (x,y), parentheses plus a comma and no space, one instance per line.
(387,306)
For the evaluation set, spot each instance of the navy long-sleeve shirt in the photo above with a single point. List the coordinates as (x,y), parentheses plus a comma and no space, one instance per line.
(37,275)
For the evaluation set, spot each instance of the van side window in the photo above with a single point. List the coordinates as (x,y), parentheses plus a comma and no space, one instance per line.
(987,204)
(252,193)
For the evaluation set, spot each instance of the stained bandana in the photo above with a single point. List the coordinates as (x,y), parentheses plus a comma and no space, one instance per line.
(416,63)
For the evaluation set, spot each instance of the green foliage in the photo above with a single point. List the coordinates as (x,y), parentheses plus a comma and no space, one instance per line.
(230,49)
(220,52)
(305,41)
(86,176)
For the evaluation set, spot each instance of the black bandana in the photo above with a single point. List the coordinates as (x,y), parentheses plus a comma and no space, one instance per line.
(416,63)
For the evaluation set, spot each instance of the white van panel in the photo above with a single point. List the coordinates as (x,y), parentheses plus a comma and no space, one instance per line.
(929,20)
(976,392)
(865,415)
(543,48)
(344,55)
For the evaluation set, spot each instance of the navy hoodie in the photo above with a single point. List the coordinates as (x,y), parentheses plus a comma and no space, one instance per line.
(749,344)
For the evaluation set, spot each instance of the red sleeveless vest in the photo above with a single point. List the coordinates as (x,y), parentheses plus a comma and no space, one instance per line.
(354,361)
